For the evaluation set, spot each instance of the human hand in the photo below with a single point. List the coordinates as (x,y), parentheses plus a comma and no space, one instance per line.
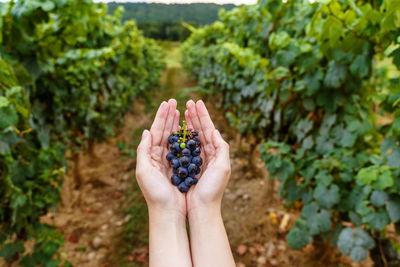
(216,168)
(153,171)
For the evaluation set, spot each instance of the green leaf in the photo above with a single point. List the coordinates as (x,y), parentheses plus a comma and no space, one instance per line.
(346,241)
(360,66)
(327,197)
(394,159)
(8,117)
(377,220)
(393,209)
(367,175)
(358,254)
(384,181)
(335,75)
(298,237)
(379,198)
(10,249)
(3,102)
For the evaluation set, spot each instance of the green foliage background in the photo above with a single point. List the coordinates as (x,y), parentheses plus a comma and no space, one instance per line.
(304,78)
(68,74)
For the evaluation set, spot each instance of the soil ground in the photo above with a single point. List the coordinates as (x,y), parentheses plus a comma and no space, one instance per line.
(105,221)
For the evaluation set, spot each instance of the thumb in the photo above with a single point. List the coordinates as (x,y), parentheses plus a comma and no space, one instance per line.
(221,147)
(143,150)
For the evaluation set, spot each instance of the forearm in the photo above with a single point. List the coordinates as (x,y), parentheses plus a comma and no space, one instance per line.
(208,239)
(169,245)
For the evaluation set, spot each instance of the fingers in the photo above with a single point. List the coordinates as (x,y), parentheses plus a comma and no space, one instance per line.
(206,123)
(157,129)
(188,120)
(143,151)
(221,149)
(175,125)
(194,120)
(169,121)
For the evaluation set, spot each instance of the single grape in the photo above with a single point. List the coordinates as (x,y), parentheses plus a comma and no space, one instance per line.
(195,133)
(170,156)
(197,160)
(183,187)
(189,181)
(175,163)
(195,180)
(175,148)
(198,171)
(191,144)
(172,139)
(182,172)
(183,145)
(184,161)
(198,143)
(196,152)
(186,152)
(175,179)
(192,168)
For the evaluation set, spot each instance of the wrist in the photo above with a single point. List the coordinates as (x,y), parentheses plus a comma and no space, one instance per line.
(162,215)
(205,213)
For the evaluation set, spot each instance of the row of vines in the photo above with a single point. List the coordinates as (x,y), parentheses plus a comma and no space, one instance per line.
(68,74)
(319,85)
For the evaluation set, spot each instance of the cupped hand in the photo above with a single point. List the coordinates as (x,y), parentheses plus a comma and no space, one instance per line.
(216,168)
(153,171)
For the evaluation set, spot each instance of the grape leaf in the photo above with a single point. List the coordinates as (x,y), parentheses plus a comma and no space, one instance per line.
(378,198)
(327,197)
(393,209)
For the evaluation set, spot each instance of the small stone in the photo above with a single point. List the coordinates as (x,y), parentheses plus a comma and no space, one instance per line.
(241,250)
(246,196)
(96,242)
(273,262)
(262,260)
(119,223)
(91,256)
(104,227)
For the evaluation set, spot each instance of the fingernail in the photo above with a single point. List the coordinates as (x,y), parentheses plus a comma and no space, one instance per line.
(145,134)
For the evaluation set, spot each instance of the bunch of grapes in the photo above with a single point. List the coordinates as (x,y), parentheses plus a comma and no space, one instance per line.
(184,157)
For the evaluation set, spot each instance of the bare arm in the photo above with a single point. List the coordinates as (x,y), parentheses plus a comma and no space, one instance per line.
(169,244)
(209,242)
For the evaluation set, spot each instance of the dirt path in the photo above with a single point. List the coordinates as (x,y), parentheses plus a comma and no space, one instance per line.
(105,221)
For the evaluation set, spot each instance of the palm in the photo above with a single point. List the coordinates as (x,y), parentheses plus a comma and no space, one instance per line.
(153,169)
(215,164)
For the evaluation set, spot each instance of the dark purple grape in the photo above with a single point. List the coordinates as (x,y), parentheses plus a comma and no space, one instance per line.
(197,171)
(195,180)
(189,181)
(195,133)
(175,179)
(192,168)
(191,144)
(197,160)
(183,187)
(196,152)
(175,163)
(175,170)
(172,139)
(175,147)
(198,143)
(186,152)
(182,172)
(184,161)
(170,156)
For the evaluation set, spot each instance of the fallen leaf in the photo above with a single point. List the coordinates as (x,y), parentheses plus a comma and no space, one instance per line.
(284,223)
(72,238)
(273,217)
